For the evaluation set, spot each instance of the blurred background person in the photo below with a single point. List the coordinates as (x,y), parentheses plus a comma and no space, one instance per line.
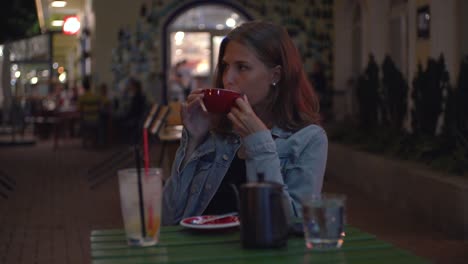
(182,81)
(105,116)
(89,105)
(131,119)
(176,88)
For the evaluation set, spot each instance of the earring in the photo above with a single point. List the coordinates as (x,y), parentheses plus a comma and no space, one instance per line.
(274,84)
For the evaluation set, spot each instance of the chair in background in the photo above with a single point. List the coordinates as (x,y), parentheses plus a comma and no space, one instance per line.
(105,169)
(64,121)
(170,133)
(174,118)
(151,115)
(159,121)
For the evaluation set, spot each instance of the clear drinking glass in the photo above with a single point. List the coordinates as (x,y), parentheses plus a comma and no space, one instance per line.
(130,205)
(323,221)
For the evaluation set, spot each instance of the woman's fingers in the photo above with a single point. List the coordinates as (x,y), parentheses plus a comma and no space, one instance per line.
(240,119)
(241,104)
(194,100)
(244,105)
(198,90)
(243,110)
(244,119)
(193,97)
(237,124)
(195,93)
(203,106)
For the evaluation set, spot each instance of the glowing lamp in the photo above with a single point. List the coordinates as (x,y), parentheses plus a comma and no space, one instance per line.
(71,25)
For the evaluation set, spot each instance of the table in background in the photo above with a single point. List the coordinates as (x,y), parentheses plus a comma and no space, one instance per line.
(179,245)
(66,119)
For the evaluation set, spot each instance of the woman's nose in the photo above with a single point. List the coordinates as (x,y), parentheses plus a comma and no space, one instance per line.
(228,78)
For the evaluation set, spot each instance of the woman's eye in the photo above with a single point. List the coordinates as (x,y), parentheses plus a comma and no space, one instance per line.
(243,67)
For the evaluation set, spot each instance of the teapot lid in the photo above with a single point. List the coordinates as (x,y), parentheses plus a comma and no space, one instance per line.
(265,184)
(261,183)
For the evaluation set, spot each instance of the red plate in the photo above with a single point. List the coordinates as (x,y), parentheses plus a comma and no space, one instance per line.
(191,222)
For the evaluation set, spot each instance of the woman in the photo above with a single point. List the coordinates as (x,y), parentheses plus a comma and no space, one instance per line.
(273,129)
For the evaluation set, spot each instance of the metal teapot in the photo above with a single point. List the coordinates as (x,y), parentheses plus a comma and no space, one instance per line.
(264,223)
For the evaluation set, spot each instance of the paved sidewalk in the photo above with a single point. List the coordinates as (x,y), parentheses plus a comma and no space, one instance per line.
(49,216)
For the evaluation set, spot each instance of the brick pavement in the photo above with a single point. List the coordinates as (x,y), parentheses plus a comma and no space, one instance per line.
(49,216)
(47,219)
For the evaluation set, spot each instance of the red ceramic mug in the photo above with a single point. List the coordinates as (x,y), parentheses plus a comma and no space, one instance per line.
(219,100)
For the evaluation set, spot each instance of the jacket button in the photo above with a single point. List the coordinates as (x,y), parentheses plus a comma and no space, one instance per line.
(225,157)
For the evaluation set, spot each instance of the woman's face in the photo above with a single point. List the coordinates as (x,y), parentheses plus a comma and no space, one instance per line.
(245,73)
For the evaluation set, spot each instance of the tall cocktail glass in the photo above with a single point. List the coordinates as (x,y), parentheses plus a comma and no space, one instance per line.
(131,205)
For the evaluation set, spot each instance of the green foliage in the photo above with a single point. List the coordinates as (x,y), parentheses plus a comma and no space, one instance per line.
(367,92)
(432,96)
(455,130)
(427,95)
(394,90)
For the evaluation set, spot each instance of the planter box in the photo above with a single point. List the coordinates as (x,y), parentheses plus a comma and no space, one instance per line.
(441,200)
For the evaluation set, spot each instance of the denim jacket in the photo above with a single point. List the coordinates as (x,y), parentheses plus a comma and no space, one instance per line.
(295,160)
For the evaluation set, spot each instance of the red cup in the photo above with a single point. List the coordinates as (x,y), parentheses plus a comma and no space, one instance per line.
(219,100)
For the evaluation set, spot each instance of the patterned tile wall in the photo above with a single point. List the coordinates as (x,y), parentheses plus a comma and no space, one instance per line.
(309,22)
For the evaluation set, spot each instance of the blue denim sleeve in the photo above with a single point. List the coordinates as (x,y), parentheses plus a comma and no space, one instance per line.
(183,183)
(262,157)
(302,173)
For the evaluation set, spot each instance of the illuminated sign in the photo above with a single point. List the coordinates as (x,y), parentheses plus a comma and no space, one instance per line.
(71,26)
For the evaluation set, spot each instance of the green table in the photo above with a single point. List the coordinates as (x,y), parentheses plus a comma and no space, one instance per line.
(180,245)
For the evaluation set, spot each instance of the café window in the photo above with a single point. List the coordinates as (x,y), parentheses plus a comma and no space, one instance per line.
(195,36)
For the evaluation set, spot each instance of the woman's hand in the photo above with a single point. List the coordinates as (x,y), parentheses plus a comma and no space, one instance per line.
(244,119)
(194,117)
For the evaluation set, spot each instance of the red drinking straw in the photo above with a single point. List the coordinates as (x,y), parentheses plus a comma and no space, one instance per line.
(146,158)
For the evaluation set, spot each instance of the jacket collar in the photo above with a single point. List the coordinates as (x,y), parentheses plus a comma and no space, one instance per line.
(210,144)
(277,132)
